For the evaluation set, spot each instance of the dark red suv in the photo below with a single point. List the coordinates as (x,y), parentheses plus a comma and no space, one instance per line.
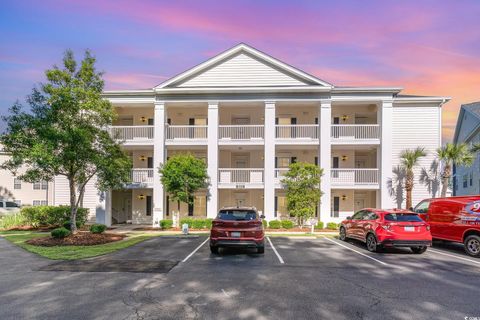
(387,228)
(237,227)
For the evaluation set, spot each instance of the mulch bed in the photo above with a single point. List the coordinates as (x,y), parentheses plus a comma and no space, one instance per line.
(30,228)
(79,239)
(305,229)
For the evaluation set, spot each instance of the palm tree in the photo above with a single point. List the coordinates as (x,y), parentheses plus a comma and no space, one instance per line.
(409,159)
(476,148)
(453,154)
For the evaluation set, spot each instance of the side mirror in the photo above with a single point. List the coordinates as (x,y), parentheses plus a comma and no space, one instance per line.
(262,217)
(349,218)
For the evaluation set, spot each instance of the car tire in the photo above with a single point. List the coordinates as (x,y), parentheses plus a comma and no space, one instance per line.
(261,249)
(342,235)
(372,244)
(419,250)
(214,249)
(472,245)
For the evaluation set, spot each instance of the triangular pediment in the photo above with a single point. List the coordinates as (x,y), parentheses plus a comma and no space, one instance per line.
(242,66)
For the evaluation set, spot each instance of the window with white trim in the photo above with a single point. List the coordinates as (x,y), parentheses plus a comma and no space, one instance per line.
(40,185)
(39,202)
(17,184)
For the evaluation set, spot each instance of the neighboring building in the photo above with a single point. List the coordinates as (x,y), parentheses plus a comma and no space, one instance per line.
(466,180)
(249,116)
(21,192)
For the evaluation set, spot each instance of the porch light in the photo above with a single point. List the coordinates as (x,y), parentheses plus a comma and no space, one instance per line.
(344,197)
(142,158)
(141,197)
(143,119)
(344,158)
(344,118)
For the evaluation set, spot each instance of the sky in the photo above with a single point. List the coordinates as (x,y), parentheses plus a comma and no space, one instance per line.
(427,47)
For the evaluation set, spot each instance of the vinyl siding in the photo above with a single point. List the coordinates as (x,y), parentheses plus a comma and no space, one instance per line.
(417,127)
(241,70)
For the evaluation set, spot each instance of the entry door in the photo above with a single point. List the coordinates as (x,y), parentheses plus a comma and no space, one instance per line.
(359,204)
(336,207)
(285,132)
(127,208)
(240,199)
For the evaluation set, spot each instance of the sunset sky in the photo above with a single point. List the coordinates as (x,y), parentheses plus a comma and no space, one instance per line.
(426,47)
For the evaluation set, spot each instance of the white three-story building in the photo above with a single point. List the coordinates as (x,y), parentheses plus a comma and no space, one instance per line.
(249,116)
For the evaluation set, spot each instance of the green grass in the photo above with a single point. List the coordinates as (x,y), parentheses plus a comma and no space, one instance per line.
(70,252)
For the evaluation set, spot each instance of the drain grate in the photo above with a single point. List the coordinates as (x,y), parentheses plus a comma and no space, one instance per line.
(137,266)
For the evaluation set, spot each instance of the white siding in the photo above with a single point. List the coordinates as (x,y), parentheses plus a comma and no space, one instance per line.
(473,172)
(416,127)
(241,70)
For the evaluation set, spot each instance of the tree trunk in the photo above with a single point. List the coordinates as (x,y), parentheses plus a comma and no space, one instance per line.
(73,206)
(408,189)
(445,179)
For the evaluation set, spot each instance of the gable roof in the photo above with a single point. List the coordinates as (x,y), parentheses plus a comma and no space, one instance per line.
(261,62)
(470,108)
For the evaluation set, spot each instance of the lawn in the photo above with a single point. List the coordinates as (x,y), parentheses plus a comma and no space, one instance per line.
(71,252)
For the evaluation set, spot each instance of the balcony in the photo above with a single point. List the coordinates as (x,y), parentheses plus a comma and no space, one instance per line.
(132,135)
(186,135)
(246,134)
(141,178)
(355,178)
(240,178)
(279,175)
(303,133)
(355,134)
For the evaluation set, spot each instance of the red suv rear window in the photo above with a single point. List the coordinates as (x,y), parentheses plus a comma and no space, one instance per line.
(237,215)
(410,217)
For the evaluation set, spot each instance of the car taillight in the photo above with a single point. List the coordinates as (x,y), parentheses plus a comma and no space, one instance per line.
(216,224)
(428,227)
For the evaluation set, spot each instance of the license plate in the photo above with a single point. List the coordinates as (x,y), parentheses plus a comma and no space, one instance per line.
(410,229)
(235,234)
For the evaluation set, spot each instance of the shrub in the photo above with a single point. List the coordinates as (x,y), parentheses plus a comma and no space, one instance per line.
(67,225)
(195,223)
(274,224)
(52,215)
(98,228)
(166,224)
(319,225)
(332,226)
(60,233)
(13,220)
(264,223)
(287,224)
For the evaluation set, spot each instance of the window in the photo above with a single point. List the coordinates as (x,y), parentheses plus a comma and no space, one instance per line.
(149,206)
(370,216)
(40,185)
(465,181)
(408,217)
(237,215)
(167,209)
(336,207)
(1,204)
(11,204)
(422,207)
(471,179)
(18,202)
(39,202)
(359,215)
(17,183)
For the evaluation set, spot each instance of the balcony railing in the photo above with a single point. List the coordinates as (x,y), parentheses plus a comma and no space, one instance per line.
(354,177)
(142,177)
(131,133)
(296,131)
(243,132)
(355,132)
(186,132)
(240,176)
(279,174)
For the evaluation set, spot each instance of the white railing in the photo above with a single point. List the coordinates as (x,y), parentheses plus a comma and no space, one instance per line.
(131,132)
(240,175)
(355,131)
(186,132)
(243,132)
(296,131)
(353,177)
(280,173)
(142,176)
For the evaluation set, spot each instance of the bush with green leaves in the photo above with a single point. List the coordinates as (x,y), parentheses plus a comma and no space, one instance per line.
(287,224)
(68,225)
(274,224)
(264,223)
(319,225)
(98,228)
(60,233)
(197,223)
(13,220)
(166,224)
(332,226)
(39,216)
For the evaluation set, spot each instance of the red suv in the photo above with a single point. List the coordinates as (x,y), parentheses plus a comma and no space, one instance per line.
(237,227)
(387,228)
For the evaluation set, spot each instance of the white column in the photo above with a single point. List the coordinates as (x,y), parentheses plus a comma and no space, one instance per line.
(108,208)
(386,139)
(212,134)
(158,158)
(324,158)
(269,162)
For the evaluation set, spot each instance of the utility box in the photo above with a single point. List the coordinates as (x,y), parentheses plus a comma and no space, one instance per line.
(185,228)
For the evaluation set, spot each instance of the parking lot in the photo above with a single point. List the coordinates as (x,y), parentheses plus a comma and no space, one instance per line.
(296,278)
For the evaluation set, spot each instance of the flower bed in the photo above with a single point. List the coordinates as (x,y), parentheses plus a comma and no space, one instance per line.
(79,239)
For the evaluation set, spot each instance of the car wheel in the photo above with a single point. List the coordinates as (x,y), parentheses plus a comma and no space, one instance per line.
(372,245)
(261,249)
(343,234)
(419,250)
(214,250)
(472,245)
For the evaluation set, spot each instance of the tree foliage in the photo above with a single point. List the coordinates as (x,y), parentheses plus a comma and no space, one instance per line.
(64,132)
(409,159)
(453,154)
(183,175)
(302,184)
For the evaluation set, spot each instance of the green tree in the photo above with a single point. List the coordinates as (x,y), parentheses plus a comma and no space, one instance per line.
(450,155)
(409,159)
(302,184)
(64,133)
(183,175)
(476,148)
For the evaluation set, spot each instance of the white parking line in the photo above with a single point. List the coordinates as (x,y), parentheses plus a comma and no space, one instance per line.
(196,249)
(275,250)
(453,255)
(360,253)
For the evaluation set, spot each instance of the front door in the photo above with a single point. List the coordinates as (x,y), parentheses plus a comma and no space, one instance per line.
(127,208)
(359,204)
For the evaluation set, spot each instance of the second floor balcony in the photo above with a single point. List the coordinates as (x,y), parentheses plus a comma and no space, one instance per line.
(366,178)
(355,134)
(307,133)
(133,135)
(252,134)
(186,134)
(240,178)
(141,178)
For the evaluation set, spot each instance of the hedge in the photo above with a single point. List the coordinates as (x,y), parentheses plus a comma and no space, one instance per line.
(274,224)
(166,224)
(194,223)
(264,223)
(98,228)
(332,225)
(319,225)
(52,216)
(60,233)
(287,224)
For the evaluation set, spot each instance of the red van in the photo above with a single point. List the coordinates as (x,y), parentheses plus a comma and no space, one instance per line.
(454,219)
